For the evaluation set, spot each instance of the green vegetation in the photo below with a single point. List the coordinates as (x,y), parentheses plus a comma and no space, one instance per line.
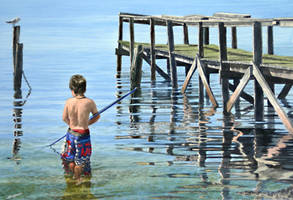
(212,52)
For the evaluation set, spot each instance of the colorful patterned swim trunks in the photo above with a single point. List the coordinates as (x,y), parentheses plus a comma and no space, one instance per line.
(78,148)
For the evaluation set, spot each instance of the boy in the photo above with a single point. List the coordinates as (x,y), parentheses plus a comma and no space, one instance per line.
(77,148)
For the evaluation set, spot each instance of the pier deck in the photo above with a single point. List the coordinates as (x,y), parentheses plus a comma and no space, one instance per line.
(240,66)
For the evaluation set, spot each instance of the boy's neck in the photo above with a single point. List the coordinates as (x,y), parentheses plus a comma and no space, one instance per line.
(79,96)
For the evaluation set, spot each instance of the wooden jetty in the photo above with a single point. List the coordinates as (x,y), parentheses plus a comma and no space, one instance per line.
(230,63)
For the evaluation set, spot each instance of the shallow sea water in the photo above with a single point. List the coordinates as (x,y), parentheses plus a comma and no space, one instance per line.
(158,144)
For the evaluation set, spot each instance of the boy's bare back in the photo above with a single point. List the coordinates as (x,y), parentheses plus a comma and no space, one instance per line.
(77,111)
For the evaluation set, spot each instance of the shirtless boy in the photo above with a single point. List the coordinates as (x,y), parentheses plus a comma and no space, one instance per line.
(77,148)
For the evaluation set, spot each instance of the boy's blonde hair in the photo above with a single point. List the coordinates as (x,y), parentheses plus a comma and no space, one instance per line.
(77,84)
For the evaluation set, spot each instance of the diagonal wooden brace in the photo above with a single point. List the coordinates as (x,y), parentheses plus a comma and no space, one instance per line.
(270,95)
(239,89)
(202,74)
(189,75)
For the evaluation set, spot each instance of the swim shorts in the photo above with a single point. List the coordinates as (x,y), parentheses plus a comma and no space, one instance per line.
(77,147)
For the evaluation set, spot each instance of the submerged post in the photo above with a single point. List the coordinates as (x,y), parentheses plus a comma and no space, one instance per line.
(135,70)
(152,49)
(223,68)
(171,53)
(120,38)
(131,34)
(257,60)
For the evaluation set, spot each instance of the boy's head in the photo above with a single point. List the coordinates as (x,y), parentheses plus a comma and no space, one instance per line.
(77,84)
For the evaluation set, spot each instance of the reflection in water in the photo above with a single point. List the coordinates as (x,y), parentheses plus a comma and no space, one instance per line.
(81,191)
(225,150)
(18,104)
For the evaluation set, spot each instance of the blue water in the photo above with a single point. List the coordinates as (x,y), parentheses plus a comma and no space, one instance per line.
(187,150)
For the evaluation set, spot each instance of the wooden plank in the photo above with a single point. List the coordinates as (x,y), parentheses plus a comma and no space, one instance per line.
(171,53)
(131,33)
(257,59)
(185,34)
(234,97)
(158,69)
(285,91)
(200,40)
(270,40)
(231,15)
(152,50)
(202,74)
(189,75)
(234,37)
(270,95)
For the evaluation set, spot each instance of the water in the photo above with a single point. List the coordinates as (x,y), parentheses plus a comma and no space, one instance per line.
(171,147)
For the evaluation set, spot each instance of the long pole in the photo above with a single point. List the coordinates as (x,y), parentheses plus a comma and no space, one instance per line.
(100,112)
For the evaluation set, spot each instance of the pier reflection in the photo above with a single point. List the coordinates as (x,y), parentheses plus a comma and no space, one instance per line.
(196,134)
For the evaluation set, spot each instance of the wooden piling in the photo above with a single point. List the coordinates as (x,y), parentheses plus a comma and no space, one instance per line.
(18,66)
(270,40)
(206,35)
(131,33)
(223,67)
(200,40)
(234,37)
(257,60)
(185,34)
(120,38)
(16,35)
(152,49)
(136,68)
(273,100)
(171,49)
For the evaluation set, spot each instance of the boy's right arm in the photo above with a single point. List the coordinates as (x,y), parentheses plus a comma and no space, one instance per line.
(65,115)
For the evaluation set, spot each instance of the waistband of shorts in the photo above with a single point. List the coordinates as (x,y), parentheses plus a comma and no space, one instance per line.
(79,132)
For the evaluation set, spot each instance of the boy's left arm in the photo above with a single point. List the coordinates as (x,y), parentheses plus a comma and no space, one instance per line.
(94,110)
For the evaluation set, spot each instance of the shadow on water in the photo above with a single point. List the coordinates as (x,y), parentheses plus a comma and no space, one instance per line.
(165,122)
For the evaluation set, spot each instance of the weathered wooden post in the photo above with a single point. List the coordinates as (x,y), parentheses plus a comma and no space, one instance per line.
(234,37)
(152,49)
(131,34)
(270,40)
(18,66)
(223,68)
(120,38)
(201,55)
(16,35)
(257,60)
(185,33)
(135,70)
(206,35)
(171,49)
(200,40)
